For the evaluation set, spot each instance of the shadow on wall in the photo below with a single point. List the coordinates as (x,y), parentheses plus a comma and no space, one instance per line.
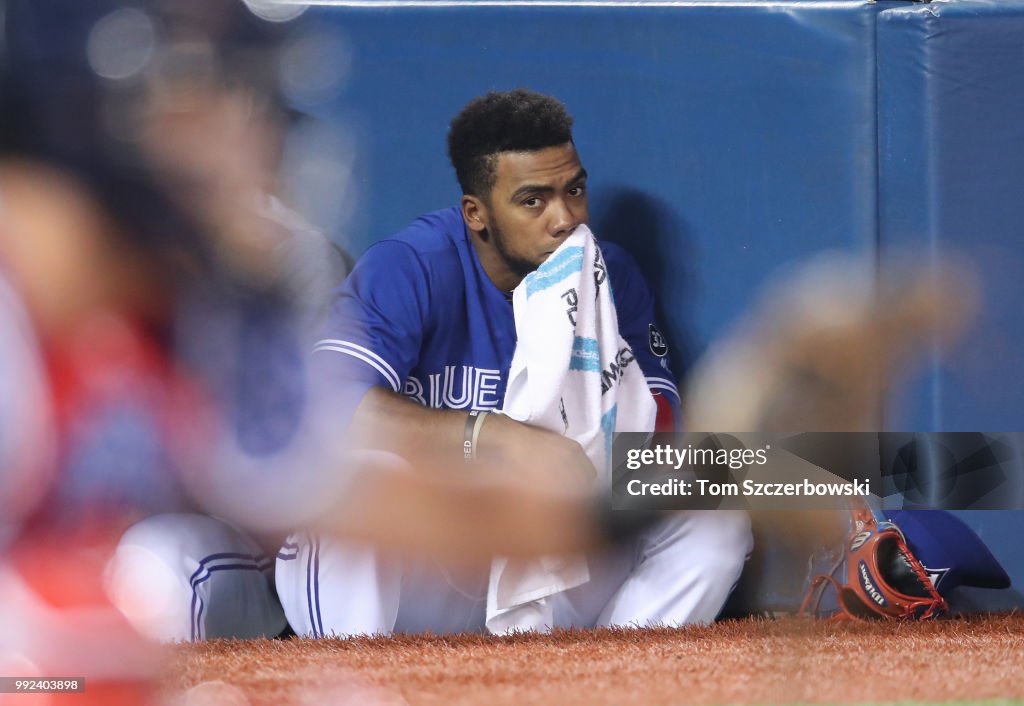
(658,237)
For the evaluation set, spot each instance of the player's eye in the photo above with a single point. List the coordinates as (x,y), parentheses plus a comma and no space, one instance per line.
(578,191)
(532,202)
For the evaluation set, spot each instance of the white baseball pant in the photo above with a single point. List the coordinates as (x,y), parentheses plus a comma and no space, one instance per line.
(192,577)
(677,572)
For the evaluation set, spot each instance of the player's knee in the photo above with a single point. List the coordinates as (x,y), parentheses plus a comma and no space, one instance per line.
(729,542)
(734,543)
(718,541)
(729,530)
(168,566)
(145,582)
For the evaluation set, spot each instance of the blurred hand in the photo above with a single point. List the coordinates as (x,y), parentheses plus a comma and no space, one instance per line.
(828,342)
(218,152)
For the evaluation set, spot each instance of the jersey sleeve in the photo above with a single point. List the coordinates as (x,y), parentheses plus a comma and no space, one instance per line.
(634,307)
(375,324)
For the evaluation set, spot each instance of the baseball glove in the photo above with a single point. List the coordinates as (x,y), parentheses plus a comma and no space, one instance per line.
(874,575)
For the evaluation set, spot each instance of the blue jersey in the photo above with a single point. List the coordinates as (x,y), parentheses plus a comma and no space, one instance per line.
(418,315)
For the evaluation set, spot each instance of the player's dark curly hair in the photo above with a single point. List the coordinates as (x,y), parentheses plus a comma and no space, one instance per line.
(514,121)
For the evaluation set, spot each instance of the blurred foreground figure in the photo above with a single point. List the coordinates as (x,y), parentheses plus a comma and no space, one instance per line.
(152,330)
(135,187)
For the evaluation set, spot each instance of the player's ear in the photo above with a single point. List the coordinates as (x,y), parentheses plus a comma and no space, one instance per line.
(474,213)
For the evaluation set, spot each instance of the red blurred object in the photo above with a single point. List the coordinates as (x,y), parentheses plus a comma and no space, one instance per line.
(57,622)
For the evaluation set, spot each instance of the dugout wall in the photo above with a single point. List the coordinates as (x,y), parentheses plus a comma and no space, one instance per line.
(725,138)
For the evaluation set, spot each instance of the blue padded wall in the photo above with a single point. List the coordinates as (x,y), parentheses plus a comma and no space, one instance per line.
(951,120)
(722,139)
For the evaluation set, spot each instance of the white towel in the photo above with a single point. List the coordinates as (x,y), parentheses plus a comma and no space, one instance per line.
(573,373)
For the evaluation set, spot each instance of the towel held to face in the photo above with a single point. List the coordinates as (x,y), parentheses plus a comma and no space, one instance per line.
(572,373)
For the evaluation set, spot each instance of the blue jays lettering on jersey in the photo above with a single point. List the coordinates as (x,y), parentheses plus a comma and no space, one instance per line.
(418,315)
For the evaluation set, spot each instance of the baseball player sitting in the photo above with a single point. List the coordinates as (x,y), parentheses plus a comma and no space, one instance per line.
(421,339)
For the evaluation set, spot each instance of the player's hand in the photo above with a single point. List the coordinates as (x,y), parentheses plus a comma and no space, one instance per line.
(534,455)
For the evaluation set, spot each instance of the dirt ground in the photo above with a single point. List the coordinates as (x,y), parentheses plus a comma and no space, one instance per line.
(733,662)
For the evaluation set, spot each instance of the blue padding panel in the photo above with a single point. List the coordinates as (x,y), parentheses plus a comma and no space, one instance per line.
(951,175)
(951,128)
(722,139)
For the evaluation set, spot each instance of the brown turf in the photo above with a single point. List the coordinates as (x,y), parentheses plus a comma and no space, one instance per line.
(733,662)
